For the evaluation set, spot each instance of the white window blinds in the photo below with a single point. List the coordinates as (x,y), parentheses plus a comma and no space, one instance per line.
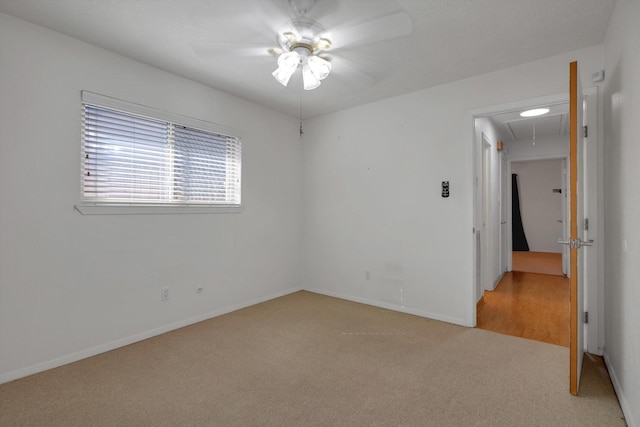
(206,166)
(129,158)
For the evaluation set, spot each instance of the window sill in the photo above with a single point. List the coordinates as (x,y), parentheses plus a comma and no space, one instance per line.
(151,209)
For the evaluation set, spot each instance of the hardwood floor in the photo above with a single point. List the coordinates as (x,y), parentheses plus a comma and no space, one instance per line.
(528,305)
(538,262)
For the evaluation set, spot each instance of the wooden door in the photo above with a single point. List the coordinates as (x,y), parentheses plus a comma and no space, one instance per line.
(576,345)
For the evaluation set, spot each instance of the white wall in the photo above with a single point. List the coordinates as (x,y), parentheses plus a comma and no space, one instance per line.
(371,178)
(74,285)
(622,205)
(540,207)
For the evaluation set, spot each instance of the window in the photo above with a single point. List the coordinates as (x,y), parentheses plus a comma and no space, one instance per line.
(145,159)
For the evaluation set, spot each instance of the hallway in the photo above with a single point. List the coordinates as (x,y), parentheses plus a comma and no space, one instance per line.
(528,305)
(538,262)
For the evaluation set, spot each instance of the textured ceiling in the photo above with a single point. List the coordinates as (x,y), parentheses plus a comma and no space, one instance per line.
(382,48)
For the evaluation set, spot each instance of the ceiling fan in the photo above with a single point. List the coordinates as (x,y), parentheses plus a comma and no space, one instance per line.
(304,44)
(302,49)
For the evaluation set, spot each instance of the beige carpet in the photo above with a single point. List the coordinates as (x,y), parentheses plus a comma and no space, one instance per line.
(537,262)
(311,360)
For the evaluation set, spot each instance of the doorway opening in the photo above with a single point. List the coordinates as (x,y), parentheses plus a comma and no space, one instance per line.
(532,299)
(517,283)
(539,216)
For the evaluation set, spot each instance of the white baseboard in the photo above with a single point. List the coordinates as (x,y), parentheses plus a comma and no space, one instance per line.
(93,351)
(390,306)
(624,403)
(495,283)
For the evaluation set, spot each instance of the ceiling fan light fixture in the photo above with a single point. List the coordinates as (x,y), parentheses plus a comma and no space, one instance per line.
(534,112)
(282,76)
(309,79)
(301,48)
(287,65)
(319,67)
(289,60)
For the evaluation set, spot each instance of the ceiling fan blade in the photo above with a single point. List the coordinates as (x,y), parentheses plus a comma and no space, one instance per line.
(311,9)
(377,30)
(254,32)
(204,50)
(350,73)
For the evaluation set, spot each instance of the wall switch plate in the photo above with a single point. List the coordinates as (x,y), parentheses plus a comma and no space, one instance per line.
(598,76)
(445,188)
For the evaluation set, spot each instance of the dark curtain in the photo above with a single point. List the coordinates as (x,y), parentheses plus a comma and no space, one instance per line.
(517,231)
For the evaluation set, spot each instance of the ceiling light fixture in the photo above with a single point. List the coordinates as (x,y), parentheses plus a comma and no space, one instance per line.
(535,112)
(300,51)
(287,65)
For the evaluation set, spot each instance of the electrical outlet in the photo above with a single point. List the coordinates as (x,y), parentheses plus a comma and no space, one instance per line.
(199,289)
(164,295)
(367,275)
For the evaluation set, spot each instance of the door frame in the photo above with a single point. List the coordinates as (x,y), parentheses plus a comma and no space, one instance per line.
(505,239)
(565,206)
(594,210)
(485,192)
(483,257)
(476,141)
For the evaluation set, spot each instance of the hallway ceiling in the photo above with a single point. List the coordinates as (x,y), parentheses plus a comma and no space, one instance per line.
(554,123)
(224,43)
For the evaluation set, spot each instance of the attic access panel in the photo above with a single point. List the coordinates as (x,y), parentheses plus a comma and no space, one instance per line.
(545,126)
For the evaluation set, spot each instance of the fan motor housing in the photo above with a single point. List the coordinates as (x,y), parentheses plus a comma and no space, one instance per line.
(303,36)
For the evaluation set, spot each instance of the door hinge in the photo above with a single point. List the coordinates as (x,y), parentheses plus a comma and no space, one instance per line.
(585,131)
(586,317)
(586,223)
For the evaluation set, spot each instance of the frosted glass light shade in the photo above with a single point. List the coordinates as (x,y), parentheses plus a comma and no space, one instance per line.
(283,75)
(287,64)
(320,67)
(289,60)
(314,69)
(309,80)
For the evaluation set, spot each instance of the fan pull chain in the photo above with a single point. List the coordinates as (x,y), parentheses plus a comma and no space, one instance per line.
(534,134)
(301,131)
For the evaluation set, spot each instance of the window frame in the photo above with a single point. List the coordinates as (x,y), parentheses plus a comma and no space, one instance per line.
(91,206)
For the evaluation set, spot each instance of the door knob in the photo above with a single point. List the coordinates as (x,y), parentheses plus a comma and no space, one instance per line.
(576,243)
